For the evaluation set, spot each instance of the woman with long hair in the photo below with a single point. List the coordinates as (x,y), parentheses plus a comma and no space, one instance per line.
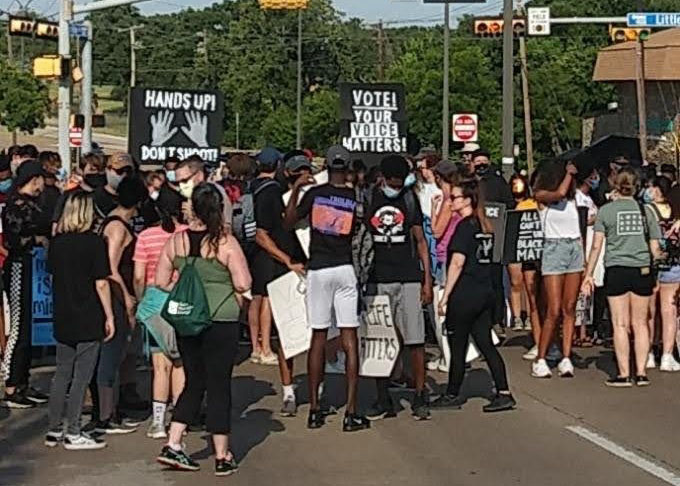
(561,263)
(632,240)
(209,357)
(468,300)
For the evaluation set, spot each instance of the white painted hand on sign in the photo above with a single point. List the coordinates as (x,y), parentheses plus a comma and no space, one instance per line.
(198,128)
(161,127)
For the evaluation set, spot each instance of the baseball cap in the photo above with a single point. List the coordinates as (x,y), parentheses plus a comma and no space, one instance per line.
(120,159)
(268,157)
(297,162)
(27,171)
(445,168)
(338,157)
(468,148)
(668,169)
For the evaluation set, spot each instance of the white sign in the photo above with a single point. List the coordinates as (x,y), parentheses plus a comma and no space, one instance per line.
(465,127)
(378,340)
(653,19)
(287,300)
(539,20)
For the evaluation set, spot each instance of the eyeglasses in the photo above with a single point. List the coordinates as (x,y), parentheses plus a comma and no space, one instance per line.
(122,171)
(453,198)
(186,179)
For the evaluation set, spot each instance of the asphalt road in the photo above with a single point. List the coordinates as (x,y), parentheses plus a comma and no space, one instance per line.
(564,432)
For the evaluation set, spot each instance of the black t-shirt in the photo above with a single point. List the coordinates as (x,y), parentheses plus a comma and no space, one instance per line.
(390,222)
(331,211)
(76,261)
(48,201)
(104,201)
(469,240)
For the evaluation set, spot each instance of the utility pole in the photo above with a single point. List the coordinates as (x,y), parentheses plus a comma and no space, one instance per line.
(381,52)
(86,98)
(508,91)
(10,60)
(528,131)
(238,131)
(64,101)
(445,96)
(641,95)
(298,137)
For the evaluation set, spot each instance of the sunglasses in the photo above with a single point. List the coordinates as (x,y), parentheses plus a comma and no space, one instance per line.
(453,198)
(186,179)
(127,170)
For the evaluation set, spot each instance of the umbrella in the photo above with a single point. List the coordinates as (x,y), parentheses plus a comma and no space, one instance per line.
(600,153)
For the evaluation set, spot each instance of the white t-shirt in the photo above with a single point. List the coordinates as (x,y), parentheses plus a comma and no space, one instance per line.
(426,191)
(560,220)
(585,201)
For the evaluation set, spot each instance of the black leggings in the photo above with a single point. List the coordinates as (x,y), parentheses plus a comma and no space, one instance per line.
(465,317)
(208,361)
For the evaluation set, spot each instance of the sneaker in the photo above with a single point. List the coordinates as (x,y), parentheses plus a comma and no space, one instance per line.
(54,437)
(433,364)
(82,442)
(156,431)
(353,423)
(565,369)
(113,428)
(449,402)
(316,419)
(269,360)
(17,400)
(225,467)
(669,364)
(651,362)
(642,381)
(177,459)
(443,367)
(500,331)
(379,411)
(554,353)
(500,403)
(518,324)
(619,382)
(289,408)
(527,324)
(540,369)
(35,396)
(531,355)
(255,357)
(420,410)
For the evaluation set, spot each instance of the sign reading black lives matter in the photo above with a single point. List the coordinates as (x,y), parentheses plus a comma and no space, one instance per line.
(175,123)
(373,120)
(523,237)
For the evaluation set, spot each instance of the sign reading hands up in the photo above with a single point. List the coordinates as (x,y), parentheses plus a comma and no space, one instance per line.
(175,123)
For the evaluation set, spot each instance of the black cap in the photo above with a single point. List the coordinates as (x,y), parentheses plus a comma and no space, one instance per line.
(445,168)
(338,158)
(28,170)
(665,168)
(298,162)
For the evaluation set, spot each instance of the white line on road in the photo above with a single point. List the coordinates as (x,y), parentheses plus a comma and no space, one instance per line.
(636,460)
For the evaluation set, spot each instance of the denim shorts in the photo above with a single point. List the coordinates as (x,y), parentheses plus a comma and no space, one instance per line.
(562,256)
(670,276)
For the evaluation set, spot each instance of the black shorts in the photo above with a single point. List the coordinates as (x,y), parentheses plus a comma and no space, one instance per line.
(530,266)
(264,269)
(621,280)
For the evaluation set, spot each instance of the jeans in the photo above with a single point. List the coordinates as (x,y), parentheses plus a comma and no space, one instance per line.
(75,365)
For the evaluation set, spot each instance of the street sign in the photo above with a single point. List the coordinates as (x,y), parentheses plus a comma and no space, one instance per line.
(465,127)
(75,137)
(78,29)
(539,20)
(657,19)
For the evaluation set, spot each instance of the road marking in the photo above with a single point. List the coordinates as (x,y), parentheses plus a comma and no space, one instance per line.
(636,460)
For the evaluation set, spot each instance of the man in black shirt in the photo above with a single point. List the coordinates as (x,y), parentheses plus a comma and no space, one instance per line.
(332,293)
(402,272)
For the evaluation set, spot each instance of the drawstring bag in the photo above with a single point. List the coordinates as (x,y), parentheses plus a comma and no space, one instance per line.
(187,308)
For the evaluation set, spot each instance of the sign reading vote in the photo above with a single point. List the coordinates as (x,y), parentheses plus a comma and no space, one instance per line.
(523,237)
(373,120)
(175,123)
(654,19)
(42,308)
(378,341)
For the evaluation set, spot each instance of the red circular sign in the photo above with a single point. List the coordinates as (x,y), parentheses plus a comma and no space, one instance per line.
(75,137)
(465,128)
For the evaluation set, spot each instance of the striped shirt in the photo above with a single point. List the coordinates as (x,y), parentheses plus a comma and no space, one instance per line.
(150,243)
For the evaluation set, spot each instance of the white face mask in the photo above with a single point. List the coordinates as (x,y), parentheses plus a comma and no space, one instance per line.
(186,189)
(154,195)
(113,179)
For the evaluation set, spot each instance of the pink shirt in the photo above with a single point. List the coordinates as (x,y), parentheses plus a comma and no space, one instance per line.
(443,243)
(149,247)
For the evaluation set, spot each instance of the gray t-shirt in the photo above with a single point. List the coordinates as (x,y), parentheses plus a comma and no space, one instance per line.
(621,223)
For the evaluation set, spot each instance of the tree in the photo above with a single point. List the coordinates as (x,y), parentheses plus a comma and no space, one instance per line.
(23,100)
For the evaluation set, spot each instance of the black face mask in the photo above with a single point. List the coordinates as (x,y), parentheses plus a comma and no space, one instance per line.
(482,169)
(95,180)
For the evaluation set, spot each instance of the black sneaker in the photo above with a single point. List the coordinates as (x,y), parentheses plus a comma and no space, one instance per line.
(500,403)
(619,382)
(642,381)
(421,407)
(380,410)
(316,419)
(35,396)
(113,428)
(177,459)
(54,437)
(450,402)
(17,400)
(353,422)
(225,467)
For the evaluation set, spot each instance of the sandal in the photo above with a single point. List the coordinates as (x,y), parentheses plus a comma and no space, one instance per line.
(587,343)
(577,343)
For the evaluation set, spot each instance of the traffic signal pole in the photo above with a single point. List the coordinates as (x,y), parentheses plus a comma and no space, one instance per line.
(445,96)
(508,164)
(86,97)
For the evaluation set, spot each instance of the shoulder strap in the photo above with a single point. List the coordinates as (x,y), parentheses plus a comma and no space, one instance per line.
(111,219)
(645,230)
(263,186)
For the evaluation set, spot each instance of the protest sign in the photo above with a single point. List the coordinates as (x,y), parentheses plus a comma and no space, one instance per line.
(523,237)
(495,214)
(175,123)
(378,340)
(373,120)
(42,309)
(287,300)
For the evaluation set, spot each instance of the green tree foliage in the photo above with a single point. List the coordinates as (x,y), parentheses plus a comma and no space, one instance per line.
(23,99)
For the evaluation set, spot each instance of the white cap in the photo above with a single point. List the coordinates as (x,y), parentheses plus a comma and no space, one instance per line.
(468,148)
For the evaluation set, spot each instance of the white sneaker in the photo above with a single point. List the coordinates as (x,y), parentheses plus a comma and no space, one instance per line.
(518,324)
(531,355)
(668,363)
(269,359)
(443,367)
(82,442)
(527,324)
(255,357)
(565,369)
(433,365)
(540,369)
(651,362)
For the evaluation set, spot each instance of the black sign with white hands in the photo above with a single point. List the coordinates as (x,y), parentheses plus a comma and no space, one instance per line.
(175,123)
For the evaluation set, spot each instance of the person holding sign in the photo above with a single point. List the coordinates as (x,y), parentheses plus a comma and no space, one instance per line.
(468,300)
(332,289)
(401,270)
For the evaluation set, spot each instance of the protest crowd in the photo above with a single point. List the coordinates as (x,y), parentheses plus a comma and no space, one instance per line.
(183,259)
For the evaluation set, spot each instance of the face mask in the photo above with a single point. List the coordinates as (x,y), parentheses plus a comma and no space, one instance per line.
(113,179)
(61,174)
(482,169)
(410,180)
(170,175)
(14,166)
(5,185)
(95,180)
(154,195)
(647,196)
(186,189)
(390,192)
(594,184)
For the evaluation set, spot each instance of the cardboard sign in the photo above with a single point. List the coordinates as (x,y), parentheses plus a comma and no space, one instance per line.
(495,214)
(523,237)
(180,123)
(287,300)
(373,120)
(42,308)
(378,340)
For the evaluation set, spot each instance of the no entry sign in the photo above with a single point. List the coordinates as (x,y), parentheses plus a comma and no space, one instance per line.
(465,127)
(75,137)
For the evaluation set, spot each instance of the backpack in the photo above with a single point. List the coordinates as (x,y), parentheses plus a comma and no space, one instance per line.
(243,223)
(186,308)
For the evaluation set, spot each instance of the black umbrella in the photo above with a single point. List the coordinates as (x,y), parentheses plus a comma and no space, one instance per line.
(600,153)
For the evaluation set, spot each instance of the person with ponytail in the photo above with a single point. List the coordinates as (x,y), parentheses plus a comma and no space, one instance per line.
(468,300)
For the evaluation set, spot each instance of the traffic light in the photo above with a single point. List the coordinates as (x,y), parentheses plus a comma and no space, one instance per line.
(47,30)
(47,67)
(625,34)
(494,27)
(21,26)
(283,4)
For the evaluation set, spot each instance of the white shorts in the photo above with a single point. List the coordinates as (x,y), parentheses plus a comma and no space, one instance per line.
(332,296)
